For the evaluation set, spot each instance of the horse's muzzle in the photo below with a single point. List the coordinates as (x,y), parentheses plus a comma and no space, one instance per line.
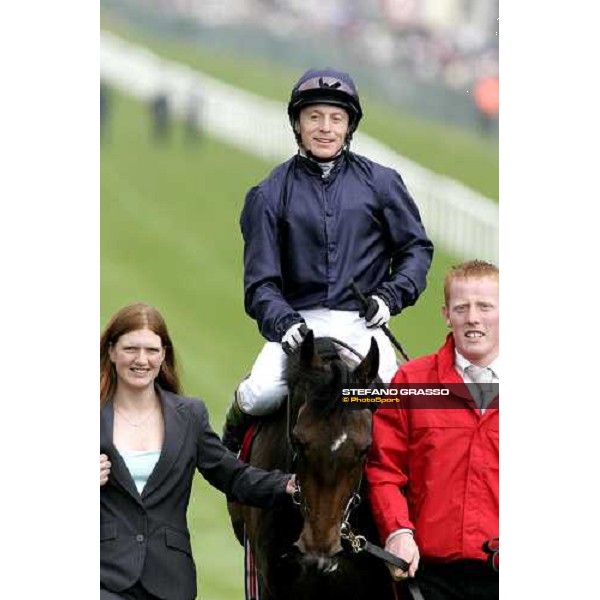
(324,553)
(314,564)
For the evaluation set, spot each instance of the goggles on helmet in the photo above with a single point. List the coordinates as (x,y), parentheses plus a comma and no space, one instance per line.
(324,88)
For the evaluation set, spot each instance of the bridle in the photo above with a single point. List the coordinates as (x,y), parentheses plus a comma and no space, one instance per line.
(358,543)
(298,497)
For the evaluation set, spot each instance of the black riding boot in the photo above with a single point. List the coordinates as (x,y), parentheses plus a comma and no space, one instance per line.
(236,425)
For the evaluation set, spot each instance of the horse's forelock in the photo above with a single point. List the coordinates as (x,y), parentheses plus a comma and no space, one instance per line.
(322,389)
(319,385)
(295,370)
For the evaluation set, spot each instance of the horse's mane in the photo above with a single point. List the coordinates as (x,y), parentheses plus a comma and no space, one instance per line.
(319,384)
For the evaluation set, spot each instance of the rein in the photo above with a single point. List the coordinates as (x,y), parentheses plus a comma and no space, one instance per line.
(359,543)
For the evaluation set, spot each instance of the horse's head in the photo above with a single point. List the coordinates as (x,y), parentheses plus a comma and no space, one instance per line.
(330,440)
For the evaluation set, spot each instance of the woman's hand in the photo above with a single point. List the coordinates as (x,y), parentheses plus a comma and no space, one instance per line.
(104,469)
(290,488)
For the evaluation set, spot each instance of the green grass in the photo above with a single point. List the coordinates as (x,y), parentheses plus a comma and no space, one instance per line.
(170,237)
(449,150)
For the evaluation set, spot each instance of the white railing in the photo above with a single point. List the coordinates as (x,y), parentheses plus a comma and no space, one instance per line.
(456,217)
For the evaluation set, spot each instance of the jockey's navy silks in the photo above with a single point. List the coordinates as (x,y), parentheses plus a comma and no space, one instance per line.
(306,236)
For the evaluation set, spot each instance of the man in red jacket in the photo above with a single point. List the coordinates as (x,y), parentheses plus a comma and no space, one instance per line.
(433,467)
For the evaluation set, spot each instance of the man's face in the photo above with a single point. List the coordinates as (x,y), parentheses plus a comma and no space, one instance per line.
(472,312)
(323,129)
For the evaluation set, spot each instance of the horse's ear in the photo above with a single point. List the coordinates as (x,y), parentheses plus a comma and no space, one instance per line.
(367,370)
(308,357)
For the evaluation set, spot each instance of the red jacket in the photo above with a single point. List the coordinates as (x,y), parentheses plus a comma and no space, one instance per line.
(446,461)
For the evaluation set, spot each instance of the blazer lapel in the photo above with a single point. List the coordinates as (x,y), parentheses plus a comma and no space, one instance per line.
(119,471)
(176,420)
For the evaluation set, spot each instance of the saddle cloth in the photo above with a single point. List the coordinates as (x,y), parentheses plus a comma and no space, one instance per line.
(251,588)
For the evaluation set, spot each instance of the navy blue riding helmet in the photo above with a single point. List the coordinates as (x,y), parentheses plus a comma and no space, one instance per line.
(326,86)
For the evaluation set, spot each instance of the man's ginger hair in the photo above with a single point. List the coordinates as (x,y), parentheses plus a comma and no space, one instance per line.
(472,269)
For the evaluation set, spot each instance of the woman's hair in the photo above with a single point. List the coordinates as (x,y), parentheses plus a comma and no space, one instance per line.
(131,318)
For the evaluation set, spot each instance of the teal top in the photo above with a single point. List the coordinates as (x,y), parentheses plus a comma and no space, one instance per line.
(140,464)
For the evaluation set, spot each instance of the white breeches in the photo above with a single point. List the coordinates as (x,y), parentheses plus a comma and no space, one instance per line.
(264,389)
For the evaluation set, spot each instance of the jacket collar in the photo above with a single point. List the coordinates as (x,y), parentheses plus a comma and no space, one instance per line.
(313,167)
(176,421)
(176,424)
(119,474)
(462,363)
(447,373)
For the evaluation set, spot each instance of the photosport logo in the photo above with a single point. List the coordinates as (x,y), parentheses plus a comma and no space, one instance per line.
(415,396)
(391,395)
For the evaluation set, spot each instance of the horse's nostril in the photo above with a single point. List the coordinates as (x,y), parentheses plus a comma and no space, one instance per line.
(330,567)
(293,554)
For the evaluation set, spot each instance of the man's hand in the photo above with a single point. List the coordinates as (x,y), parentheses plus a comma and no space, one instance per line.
(376,313)
(104,469)
(404,546)
(293,337)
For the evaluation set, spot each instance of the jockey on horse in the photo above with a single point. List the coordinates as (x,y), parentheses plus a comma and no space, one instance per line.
(323,218)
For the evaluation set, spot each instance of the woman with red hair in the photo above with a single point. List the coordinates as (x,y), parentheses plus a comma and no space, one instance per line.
(152,440)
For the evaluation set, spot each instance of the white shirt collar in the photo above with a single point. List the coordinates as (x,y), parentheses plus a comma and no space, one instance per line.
(461,363)
(324,166)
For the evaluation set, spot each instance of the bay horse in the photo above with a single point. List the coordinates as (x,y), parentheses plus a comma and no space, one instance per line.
(298,548)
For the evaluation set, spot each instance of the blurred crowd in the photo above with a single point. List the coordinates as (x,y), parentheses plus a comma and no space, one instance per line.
(453,42)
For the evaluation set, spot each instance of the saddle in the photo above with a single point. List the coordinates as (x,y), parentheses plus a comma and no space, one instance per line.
(248,439)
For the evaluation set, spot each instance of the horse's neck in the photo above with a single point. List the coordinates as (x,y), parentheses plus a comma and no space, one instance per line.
(270,450)
(295,401)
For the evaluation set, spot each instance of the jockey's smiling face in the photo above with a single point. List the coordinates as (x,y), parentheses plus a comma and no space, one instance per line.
(323,129)
(472,311)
